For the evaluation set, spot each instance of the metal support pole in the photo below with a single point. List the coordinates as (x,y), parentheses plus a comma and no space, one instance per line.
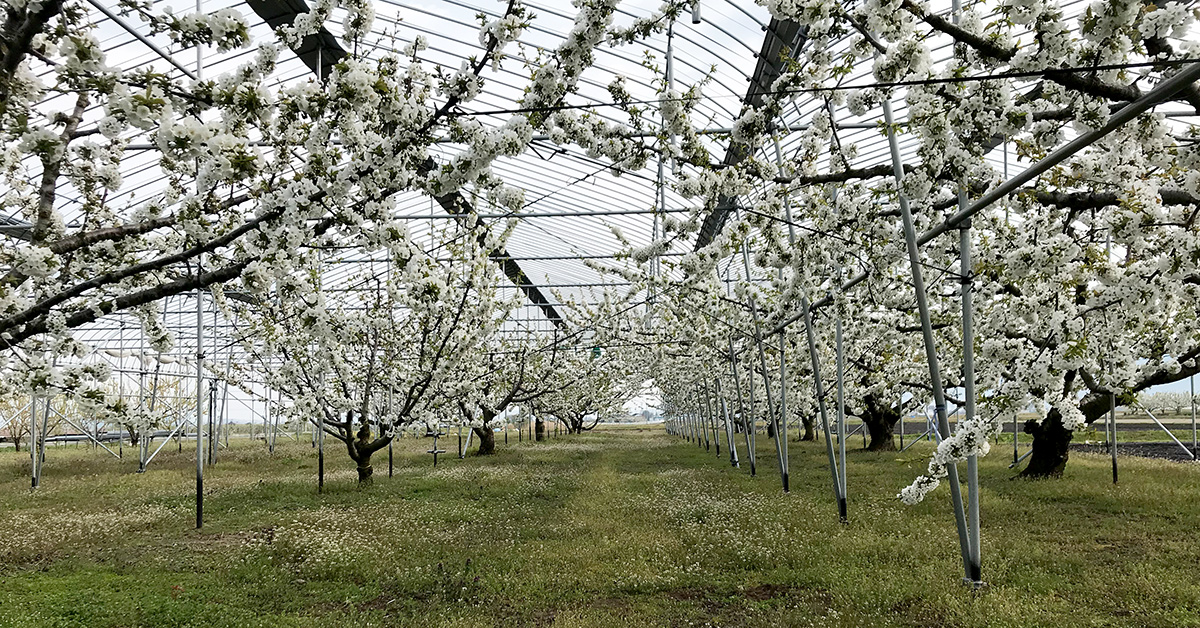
(199,400)
(200,348)
(178,429)
(762,362)
(783,416)
(840,366)
(143,445)
(393,420)
(1108,439)
(269,422)
(1192,398)
(733,455)
(935,374)
(1016,430)
(747,429)
(712,424)
(1161,92)
(1112,417)
(319,437)
(713,419)
(819,391)
(35,467)
(781,432)
(706,421)
(752,415)
(975,565)
(1168,431)
(321,451)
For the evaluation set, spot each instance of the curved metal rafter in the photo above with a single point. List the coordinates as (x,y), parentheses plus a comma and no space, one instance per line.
(783,37)
(320,52)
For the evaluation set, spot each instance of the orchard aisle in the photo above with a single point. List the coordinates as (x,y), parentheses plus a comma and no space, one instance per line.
(623,527)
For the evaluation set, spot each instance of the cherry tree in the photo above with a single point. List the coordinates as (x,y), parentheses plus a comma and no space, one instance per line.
(251,170)
(391,355)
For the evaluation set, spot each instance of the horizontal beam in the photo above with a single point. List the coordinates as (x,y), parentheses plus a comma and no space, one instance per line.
(1165,90)
(522,216)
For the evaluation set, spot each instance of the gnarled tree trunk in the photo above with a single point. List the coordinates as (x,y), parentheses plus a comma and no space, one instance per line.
(361,448)
(1051,446)
(882,435)
(487,437)
(809,431)
(487,440)
(365,470)
(880,419)
(539,430)
(1052,440)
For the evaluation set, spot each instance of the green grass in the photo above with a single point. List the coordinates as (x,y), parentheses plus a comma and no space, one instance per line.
(625,527)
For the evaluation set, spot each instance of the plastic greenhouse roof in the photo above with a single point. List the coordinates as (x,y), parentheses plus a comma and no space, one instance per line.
(572,200)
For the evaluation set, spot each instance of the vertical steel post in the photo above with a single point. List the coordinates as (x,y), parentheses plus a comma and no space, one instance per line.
(1108,439)
(783,419)
(733,455)
(1015,431)
(974,562)
(143,446)
(199,391)
(1112,417)
(747,427)
(268,427)
(35,467)
(393,421)
(1192,398)
(200,343)
(762,362)
(975,566)
(712,423)
(840,366)
(935,374)
(819,392)
(320,435)
(709,425)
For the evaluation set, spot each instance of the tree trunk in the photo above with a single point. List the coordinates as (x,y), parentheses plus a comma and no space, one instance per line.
(487,440)
(770,429)
(360,452)
(1051,447)
(809,433)
(365,472)
(539,430)
(880,419)
(882,434)
(17,444)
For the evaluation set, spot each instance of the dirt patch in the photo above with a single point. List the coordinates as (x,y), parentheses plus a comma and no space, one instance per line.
(1162,451)
(221,540)
(763,592)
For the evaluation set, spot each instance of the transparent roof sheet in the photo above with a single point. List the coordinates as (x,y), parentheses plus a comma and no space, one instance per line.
(573,201)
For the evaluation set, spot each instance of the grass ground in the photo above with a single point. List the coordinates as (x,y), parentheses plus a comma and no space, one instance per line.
(627,527)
